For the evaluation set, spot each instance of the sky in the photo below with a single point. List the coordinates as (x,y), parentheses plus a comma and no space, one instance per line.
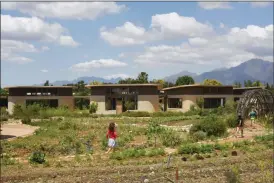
(63,41)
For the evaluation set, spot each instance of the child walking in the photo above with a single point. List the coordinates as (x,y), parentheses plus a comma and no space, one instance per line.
(240,126)
(111,136)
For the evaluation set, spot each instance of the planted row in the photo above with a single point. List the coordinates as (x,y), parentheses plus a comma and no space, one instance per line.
(134,152)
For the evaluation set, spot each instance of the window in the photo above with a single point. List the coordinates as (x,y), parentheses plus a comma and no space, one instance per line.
(110,103)
(43,103)
(213,102)
(174,103)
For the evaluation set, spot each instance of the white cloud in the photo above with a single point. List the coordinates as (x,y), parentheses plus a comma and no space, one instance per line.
(214,5)
(163,27)
(11,50)
(222,25)
(44,70)
(233,47)
(30,29)
(96,64)
(68,41)
(65,10)
(260,4)
(45,48)
(115,76)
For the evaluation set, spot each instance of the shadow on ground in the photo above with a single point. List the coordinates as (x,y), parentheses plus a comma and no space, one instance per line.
(3,137)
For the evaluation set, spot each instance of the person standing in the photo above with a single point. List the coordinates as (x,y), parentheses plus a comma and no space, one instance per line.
(252,116)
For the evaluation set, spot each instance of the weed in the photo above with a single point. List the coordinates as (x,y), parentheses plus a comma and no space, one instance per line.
(37,157)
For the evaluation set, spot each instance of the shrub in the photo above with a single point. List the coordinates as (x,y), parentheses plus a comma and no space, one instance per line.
(231,120)
(212,125)
(199,135)
(93,107)
(17,111)
(32,110)
(136,114)
(37,157)
(167,114)
(200,102)
(7,159)
(26,120)
(195,148)
(170,138)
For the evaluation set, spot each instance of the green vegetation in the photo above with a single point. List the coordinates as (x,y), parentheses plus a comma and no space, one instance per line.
(212,82)
(93,107)
(184,80)
(37,157)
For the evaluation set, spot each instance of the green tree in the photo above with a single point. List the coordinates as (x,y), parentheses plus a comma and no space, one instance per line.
(168,84)
(237,84)
(3,92)
(184,80)
(142,78)
(248,83)
(257,83)
(158,81)
(46,83)
(127,81)
(212,82)
(95,83)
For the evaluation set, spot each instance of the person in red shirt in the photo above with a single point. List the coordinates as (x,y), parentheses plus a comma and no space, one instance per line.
(111,136)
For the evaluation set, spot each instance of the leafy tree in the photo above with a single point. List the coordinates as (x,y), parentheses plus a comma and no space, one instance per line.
(3,92)
(95,83)
(212,82)
(168,84)
(158,81)
(248,83)
(237,84)
(127,81)
(267,86)
(142,78)
(184,80)
(46,83)
(257,83)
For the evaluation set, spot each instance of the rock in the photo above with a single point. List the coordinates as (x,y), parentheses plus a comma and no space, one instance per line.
(146,181)
(151,168)
(152,173)
(54,175)
(184,159)
(234,153)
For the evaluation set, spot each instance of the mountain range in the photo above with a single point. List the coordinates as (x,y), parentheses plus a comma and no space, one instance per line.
(254,69)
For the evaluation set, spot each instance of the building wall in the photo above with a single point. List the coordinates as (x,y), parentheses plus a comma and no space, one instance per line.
(189,100)
(21,100)
(149,103)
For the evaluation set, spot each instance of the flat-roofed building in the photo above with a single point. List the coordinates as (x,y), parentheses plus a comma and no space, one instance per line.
(181,98)
(52,96)
(115,98)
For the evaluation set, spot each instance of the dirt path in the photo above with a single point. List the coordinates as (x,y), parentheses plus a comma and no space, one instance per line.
(12,130)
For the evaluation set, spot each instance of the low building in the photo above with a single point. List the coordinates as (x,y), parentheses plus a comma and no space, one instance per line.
(181,98)
(52,96)
(118,98)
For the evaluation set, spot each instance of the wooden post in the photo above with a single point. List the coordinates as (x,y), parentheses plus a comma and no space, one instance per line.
(168,161)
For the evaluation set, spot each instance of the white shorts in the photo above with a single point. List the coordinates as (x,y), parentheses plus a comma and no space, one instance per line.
(111,143)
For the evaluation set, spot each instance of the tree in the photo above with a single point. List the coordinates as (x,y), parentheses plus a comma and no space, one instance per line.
(237,84)
(184,80)
(3,92)
(95,83)
(168,84)
(257,83)
(212,82)
(267,86)
(248,83)
(46,83)
(158,81)
(142,78)
(127,81)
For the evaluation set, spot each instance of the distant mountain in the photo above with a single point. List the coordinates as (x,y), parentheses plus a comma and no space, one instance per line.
(254,69)
(86,80)
(174,77)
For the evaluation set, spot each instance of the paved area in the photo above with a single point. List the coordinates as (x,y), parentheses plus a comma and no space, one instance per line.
(10,131)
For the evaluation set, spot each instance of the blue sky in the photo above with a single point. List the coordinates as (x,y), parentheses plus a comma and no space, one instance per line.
(63,41)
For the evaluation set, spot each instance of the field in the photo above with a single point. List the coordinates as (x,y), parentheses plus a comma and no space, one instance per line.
(74,149)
